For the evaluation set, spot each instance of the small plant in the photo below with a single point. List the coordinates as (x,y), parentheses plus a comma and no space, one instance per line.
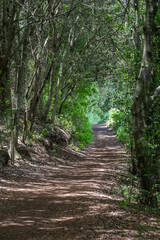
(54,150)
(129,191)
(76,147)
(142,229)
(44,132)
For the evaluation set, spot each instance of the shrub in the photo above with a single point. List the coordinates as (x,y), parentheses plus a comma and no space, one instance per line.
(120,122)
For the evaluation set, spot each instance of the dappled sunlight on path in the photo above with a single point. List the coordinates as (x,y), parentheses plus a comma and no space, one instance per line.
(72,202)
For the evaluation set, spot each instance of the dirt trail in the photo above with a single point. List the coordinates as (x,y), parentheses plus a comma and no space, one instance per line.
(46,200)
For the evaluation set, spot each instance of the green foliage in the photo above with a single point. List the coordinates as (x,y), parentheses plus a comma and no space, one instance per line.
(105,117)
(74,115)
(80,129)
(94,105)
(120,121)
(128,194)
(44,132)
(66,122)
(93,118)
(124,203)
(84,133)
(129,189)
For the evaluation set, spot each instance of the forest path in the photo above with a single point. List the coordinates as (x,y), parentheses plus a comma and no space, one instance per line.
(74,202)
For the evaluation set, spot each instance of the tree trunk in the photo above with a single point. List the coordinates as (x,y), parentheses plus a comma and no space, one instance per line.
(50,92)
(35,99)
(65,98)
(20,91)
(58,88)
(136,37)
(140,107)
(7,34)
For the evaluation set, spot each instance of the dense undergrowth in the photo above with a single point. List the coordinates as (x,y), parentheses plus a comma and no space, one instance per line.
(120,121)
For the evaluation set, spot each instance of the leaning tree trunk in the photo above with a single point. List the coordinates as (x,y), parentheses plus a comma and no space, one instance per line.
(52,79)
(140,107)
(65,98)
(35,99)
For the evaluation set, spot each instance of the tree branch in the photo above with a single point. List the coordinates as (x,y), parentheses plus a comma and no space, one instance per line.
(156,93)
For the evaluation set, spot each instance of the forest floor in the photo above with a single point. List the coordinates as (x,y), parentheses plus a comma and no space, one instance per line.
(71,196)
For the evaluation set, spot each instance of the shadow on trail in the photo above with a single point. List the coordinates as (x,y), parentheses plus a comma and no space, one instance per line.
(69,202)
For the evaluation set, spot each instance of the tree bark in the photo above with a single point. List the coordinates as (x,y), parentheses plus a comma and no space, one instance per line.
(56,97)
(55,49)
(34,101)
(65,98)
(140,107)
(7,35)
(21,84)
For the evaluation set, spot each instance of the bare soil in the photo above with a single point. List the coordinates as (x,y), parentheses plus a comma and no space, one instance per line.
(65,195)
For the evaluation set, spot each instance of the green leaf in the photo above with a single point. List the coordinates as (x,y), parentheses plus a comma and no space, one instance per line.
(124,203)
